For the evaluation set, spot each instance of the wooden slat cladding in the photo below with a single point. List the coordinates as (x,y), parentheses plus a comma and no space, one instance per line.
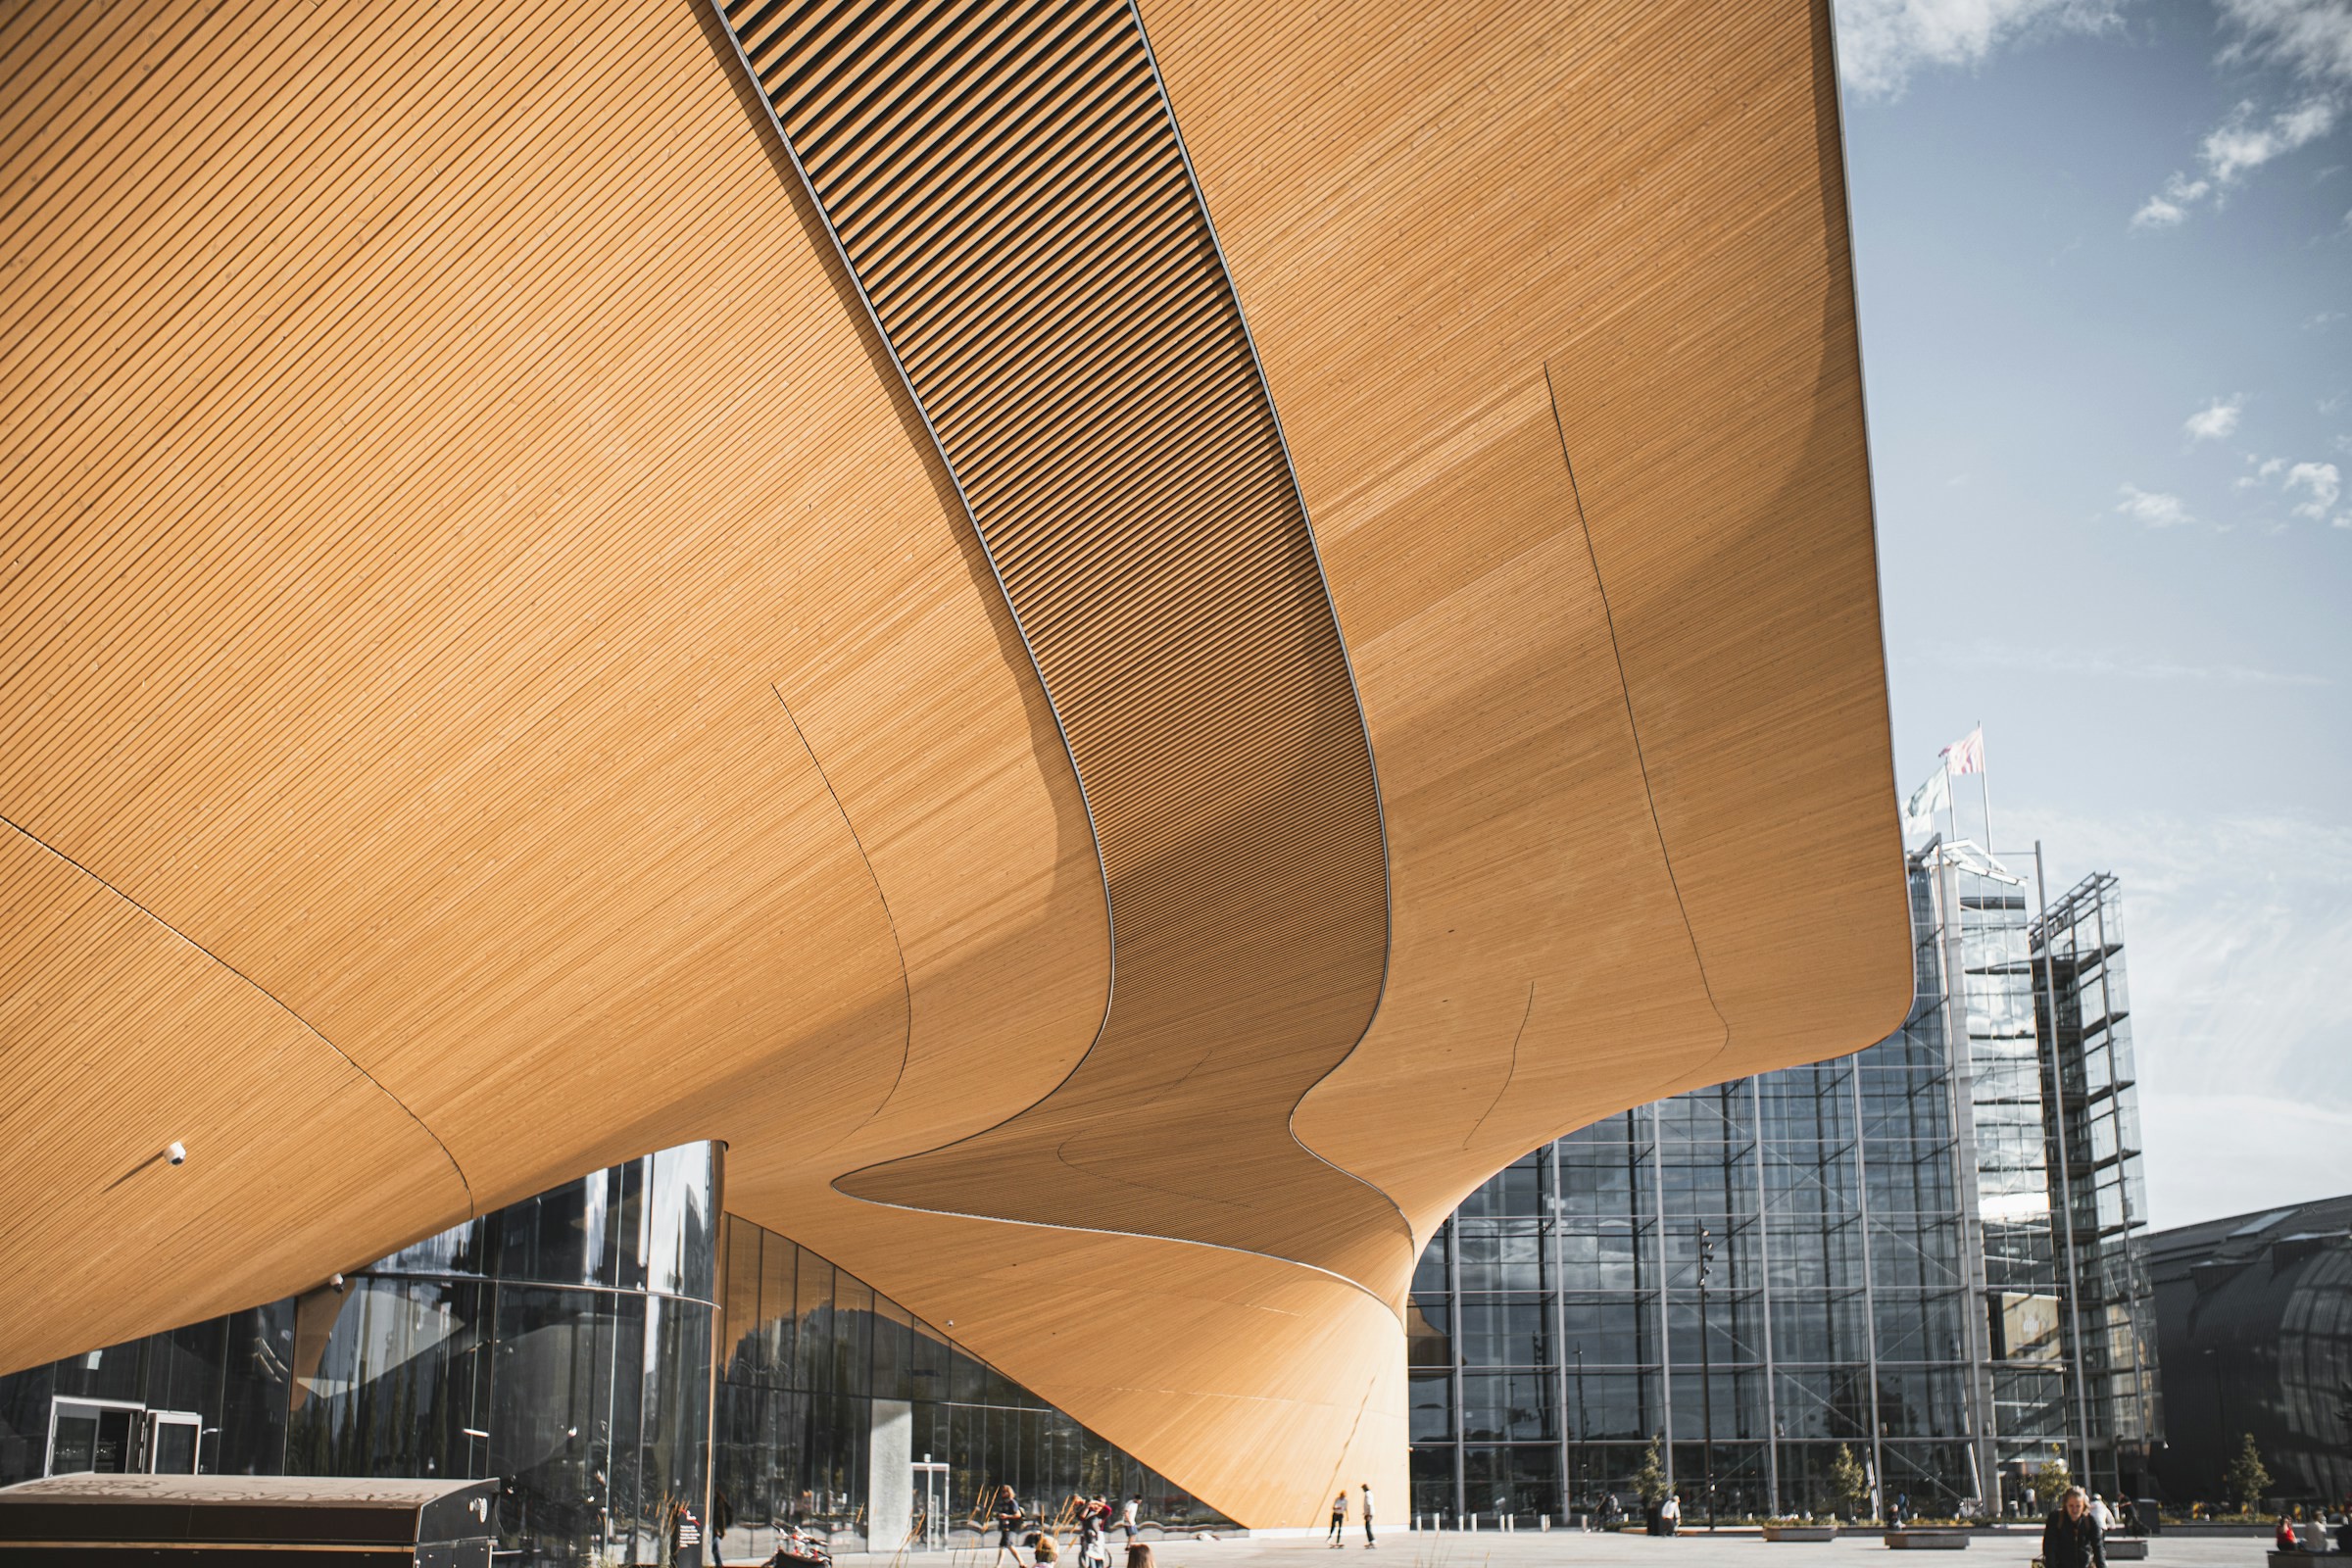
(1009,191)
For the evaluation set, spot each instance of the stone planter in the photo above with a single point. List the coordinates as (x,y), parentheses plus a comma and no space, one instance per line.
(1800,1532)
(2128,1548)
(1926,1540)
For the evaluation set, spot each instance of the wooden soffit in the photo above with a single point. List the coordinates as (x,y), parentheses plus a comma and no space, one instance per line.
(1127,649)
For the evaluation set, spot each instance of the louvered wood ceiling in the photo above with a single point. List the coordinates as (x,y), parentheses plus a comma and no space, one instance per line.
(1007,185)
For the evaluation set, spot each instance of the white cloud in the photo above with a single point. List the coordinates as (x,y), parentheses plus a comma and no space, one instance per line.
(2318,480)
(1883,43)
(2216,420)
(2312,38)
(2311,41)
(2153,507)
(2237,934)
(2322,318)
(2243,141)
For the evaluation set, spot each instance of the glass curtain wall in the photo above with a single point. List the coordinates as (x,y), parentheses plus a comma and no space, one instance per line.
(2090,1082)
(230,1372)
(1981,916)
(566,1344)
(1884,1275)
(808,1349)
(562,1344)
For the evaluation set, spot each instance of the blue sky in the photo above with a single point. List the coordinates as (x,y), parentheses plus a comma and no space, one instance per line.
(2104,253)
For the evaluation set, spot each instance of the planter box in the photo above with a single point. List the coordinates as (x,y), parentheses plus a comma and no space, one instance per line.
(1926,1540)
(2131,1548)
(1800,1532)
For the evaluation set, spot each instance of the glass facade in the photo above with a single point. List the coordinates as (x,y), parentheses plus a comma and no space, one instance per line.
(566,1346)
(562,1343)
(2083,1006)
(1884,1275)
(827,1387)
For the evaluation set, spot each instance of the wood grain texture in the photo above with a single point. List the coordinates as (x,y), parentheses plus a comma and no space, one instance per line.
(494,676)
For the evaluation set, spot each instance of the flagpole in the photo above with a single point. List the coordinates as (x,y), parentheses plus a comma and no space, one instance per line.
(1984,786)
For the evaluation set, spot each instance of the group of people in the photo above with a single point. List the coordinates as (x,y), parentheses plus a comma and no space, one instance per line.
(1339,1518)
(2313,1536)
(1092,1518)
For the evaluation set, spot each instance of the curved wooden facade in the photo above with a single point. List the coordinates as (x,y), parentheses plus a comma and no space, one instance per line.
(1126,663)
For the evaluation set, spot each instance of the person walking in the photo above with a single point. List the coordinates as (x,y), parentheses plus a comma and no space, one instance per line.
(1130,1517)
(2070,1536)
(1338,1522)
(1369,1542)
(1005,1511)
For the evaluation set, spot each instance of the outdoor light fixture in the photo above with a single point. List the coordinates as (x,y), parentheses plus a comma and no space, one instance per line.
(176,1153)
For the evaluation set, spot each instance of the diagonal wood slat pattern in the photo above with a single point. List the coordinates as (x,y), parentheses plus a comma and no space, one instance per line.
(1009,191)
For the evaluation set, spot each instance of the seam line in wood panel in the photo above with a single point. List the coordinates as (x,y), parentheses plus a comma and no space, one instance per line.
(906,985)
(308,1027)
(1649,794)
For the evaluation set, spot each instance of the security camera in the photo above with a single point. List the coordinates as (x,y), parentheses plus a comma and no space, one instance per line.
(178,1153)
(334,1283)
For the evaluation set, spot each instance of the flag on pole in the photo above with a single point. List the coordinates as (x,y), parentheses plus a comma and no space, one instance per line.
(1929,797)
(1967,754)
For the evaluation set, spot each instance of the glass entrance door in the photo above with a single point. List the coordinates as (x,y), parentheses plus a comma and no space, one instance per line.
(171,1439)
(101,1437)
(931,1507)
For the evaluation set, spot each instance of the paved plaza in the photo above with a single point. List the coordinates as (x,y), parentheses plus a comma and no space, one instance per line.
(1697,1549)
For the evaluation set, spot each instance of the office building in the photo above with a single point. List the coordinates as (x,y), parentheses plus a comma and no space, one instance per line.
(1884,1250)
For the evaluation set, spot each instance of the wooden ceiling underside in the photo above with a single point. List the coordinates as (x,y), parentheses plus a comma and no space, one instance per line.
(1009,194)
(496,675)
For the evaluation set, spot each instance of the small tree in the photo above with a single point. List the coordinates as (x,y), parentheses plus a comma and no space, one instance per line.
(2050,1482)
(2246,1479)
(1649,1481)
(1850,1483)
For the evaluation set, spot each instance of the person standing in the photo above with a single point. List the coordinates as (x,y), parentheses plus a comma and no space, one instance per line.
(1131,1516)
(1338,1522)
(2070,1536)
(1369,1542)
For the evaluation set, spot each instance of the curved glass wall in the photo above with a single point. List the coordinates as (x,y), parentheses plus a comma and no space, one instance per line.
(843,1412)
(562,1345)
